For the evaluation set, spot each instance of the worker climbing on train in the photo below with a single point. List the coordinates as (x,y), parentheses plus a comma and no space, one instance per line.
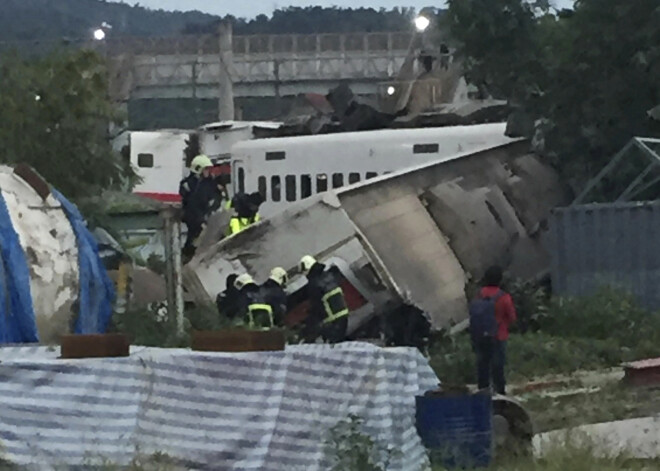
(257,313)
(198,170)
(328,314)
(275,296)
(201,195)
(245,209)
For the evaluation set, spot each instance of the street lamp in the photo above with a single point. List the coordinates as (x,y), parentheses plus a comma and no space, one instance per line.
(421,23)
(391,90)
(101,32)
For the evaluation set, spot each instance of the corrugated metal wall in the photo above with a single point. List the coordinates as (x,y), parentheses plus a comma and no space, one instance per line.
(614,244)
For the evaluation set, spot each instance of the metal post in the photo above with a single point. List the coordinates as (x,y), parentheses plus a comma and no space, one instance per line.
(121,301)
(178,282)
(226,85)
(172,228)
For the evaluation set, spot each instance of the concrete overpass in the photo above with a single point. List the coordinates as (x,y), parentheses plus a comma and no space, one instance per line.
(261,66)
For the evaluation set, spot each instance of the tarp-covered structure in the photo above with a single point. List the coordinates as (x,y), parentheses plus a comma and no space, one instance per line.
(52,280)
(220,411)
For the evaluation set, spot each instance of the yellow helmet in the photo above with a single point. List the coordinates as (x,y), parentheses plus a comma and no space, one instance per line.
(306,264)
(279,276)
(243,280)
(199,163)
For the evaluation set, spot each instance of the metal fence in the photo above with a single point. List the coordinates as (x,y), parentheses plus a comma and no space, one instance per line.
(614,245)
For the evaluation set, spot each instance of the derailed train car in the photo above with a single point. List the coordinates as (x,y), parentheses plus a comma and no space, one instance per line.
(412,239)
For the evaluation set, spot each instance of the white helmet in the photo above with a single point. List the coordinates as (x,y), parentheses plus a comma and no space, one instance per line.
(243,280)
(199,163)
(279,276)
(306,264)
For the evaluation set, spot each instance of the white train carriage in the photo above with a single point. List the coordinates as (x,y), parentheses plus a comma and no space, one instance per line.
(288,169)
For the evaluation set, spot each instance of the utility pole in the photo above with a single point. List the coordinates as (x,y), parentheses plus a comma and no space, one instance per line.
(226,85)
(172,227)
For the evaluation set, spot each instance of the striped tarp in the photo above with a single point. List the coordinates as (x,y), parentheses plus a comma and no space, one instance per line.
(265,411)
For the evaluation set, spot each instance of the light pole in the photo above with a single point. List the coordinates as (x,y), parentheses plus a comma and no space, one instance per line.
(421,23)
(100,33)
(400,91)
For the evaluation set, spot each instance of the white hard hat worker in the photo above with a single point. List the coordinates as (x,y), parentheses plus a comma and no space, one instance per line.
(199,164)
(242,281)
(306,264)
(279,276)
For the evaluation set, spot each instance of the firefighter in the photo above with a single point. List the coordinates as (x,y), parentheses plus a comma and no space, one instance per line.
(256,312)
(227,301)
(328,314)
(274,294)
(201,195)
(199,168)
(245,211)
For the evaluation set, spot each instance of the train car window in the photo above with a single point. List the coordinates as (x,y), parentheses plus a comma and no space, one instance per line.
(426,148)
(275,188)
(305,186)
(275,156)
(290,182)
(241,180)
(353,177)
(262,186)
(145,160)
(371,175)
(321,183)
(337,180)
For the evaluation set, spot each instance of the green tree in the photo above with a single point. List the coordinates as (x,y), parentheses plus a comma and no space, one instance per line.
(592,73)
(54,116)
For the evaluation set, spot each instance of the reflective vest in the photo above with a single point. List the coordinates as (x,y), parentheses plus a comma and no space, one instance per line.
(333,301)
(237,224)
(259,314)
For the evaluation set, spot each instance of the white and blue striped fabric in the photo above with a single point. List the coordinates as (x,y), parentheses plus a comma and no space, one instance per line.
(215,411)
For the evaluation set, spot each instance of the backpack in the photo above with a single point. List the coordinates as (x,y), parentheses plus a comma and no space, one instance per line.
(482,316)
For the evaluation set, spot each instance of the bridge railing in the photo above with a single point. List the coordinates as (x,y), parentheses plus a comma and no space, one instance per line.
(285,44)
(264,44)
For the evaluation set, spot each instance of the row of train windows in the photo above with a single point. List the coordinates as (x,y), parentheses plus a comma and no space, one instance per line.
(306,184)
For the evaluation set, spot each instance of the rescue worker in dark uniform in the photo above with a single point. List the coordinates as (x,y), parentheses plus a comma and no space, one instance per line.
(227,301)
(201,195)
(328,314)
(188,185)
(274,294)
(257,313)
(245,211)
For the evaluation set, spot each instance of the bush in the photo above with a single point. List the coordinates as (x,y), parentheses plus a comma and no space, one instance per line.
(349,448)
(608,314)
(531,300)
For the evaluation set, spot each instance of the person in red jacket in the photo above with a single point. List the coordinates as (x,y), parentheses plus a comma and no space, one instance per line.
(491,361)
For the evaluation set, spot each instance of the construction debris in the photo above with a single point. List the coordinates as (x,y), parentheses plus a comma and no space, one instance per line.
(643,373)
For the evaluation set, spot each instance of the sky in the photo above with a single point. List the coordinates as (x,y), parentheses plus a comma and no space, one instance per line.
(252,8)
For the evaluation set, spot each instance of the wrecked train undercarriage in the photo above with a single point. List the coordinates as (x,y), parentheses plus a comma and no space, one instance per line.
(407,242)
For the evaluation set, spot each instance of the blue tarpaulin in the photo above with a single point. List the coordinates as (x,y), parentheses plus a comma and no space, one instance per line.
(17,322)
(97,292)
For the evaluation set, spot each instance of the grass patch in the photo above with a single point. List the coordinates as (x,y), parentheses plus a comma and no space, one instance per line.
(612,402)
(569,457)
(533,355)
(567,335)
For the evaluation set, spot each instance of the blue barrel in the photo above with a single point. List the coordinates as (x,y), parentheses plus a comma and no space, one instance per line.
(457,430)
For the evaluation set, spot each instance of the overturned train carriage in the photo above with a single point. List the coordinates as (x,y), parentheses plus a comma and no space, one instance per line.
(413,238)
